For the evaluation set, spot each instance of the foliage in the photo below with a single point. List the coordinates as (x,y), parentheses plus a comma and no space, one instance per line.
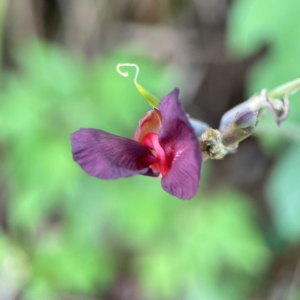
(284,194)
(69,234)
(54,215)
(74,233)
(252,24)
(217,247)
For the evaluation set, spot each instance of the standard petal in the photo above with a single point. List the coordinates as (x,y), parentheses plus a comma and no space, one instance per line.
(182,149)
(108,156)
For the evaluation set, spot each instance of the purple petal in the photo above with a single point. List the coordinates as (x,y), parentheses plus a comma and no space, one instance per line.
(182,149)
(108,156)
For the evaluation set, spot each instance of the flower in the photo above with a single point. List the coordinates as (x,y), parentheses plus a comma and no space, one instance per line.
(164,144)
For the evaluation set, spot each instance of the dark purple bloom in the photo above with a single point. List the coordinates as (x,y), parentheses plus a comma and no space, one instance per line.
(164,144)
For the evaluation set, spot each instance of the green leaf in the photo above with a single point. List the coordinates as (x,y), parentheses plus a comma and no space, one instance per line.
(72,266)
(284,194)
(210,235)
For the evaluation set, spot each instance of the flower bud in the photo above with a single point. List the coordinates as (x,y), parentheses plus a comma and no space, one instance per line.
(245,119)
(230,115)
(243,125)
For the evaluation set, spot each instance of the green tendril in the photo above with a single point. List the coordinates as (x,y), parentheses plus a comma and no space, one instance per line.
(152,100)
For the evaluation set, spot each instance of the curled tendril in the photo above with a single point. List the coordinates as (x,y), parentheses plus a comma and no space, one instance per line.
(152,100)
(126,74)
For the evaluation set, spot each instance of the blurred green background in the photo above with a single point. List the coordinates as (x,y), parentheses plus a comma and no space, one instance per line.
(67,236)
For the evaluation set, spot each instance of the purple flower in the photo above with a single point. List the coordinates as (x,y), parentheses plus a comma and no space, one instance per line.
(164,144)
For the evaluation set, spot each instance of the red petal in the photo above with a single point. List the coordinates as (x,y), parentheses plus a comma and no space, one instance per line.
(150,140)
(151,122)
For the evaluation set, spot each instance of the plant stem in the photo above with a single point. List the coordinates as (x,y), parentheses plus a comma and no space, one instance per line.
(285,89)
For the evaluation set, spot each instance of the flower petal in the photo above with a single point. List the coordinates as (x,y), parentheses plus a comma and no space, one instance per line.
(150,123)
(108,156)
(182,149)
